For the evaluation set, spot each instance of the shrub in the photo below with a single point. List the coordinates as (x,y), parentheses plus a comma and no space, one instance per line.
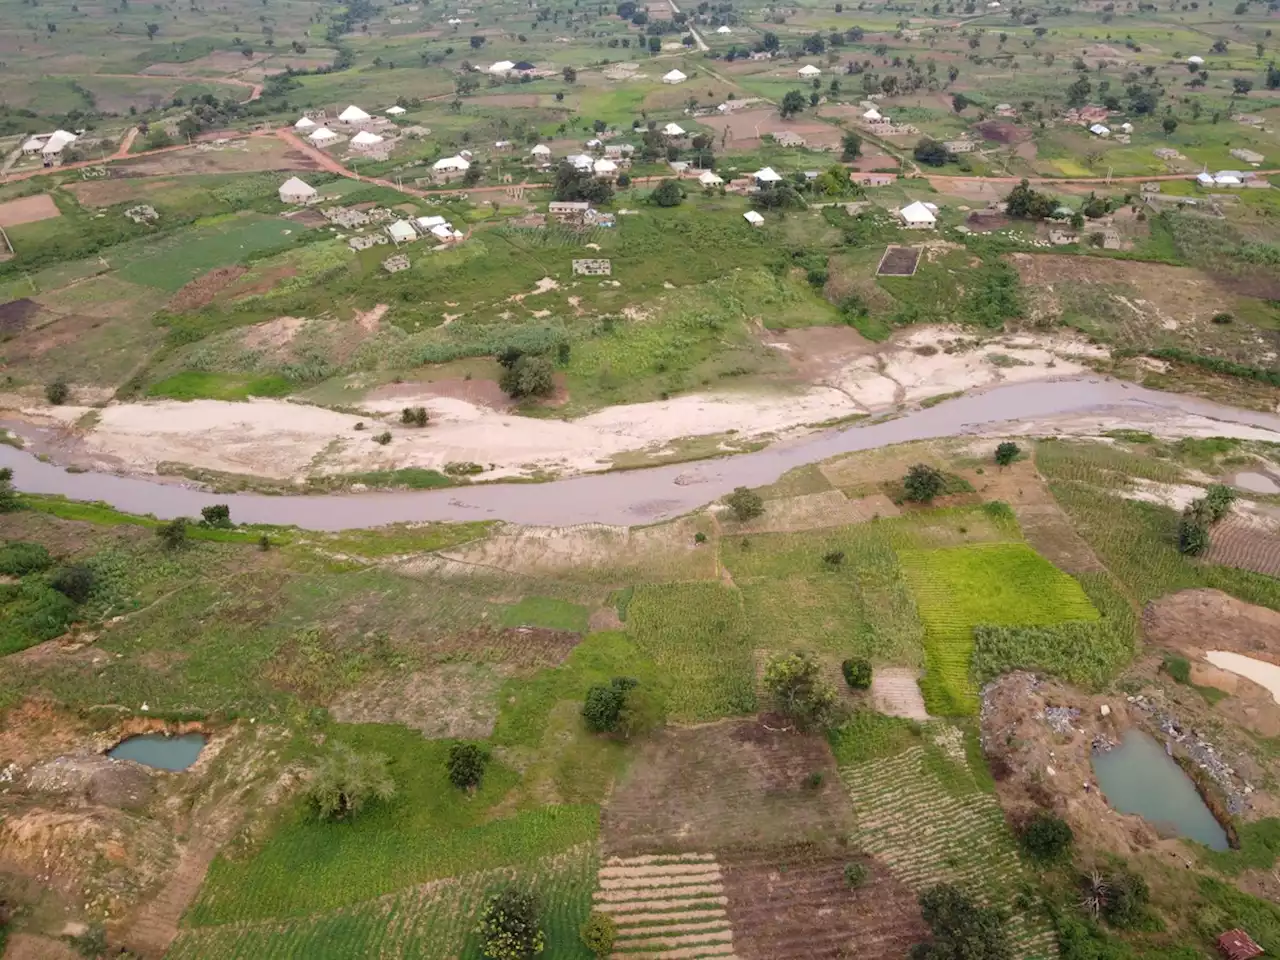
(414,416)
(833,558)
(923,482)
(1222,318)
(642,711)
(814,780)
(855,874)
(509,926)
(466,765)
(1006,453)
(74,582)
(745,504)
(345,782)
(1218,499)
(9,501)
(795,681)
(18,558)
(264,543)
(174,533)
(1119,897)
(699,537)
(857,673)
(667,194)
(961,928)
(1193,534)
(599,933)
(602,708)
(383,438)
(1047,838)
(215,515)
(1177,667)
(529,376)
(57,393)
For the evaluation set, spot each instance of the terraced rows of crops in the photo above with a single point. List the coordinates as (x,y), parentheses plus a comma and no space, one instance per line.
(959,588)
(931,829)
(434,921)
(666,906)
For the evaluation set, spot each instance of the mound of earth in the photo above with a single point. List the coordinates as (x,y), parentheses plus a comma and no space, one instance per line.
(1194,621)
(94,779)
(1040,754)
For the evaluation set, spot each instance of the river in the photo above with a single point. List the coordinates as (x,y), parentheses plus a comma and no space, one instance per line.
(626,497)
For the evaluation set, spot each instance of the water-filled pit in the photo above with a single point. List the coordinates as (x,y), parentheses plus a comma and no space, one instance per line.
(160,751)
(1139,777)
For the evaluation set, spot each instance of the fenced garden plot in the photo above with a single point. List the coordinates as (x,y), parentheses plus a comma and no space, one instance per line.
(434,921)
(898,262)
(696,635)
(959,588)
(923,815)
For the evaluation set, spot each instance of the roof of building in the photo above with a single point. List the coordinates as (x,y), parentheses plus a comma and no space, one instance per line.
(768,175)
(502,66)
(566,206)
(723,30)
(1238,945)
(304,123)
(605,166)
(540,149)
(1195,59)
(426,223)
(294,185)
(395,111)
(1099,129)
(451,163)
(401,230)
(872,114)
(917,213)
(524,65)
(581,160)
(752,217)
(710,178)
(675,75)
(673,130)
(353,114)
(324,133)
(366,139)
(809,70)
(57,140)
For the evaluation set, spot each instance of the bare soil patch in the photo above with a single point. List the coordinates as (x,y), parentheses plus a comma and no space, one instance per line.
(274,335)
(987,220)
(746,127)
(1193,621)
(898,262)
(517,646)
(26,946)
(484,393)
(797,906)
(107,193)
(203,290)
(450,700)
(262,281)
(37,728)
(1002,131)
(28,210)
(817,353)
(255,155)
(16,314)
(733,785)
(1238,543)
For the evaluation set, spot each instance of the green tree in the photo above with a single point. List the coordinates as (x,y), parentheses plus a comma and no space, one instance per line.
(9,501)
(599,933)
(667,194)
(530,376)
(466,764)
(795,681)
(1046,837)
(1240,86)
(215,515)
(346,782)
(604,703)
(857,673)
(1006,453)
(570,75)
(923,482)
(959,101)
(962,929)
(745,504)
(931,153)
(1170,124)
(1078,92)
(74,582)
(655,45)
(850,146)
(174,533)
(793,102)
(57,393)
(510,927)
(414,416)
(1028,204)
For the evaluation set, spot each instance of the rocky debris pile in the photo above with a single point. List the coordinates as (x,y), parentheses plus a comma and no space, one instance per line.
(95,779)
(1061,719)
(1200,751)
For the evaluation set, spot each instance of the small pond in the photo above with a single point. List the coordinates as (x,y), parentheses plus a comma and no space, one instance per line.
(1138,777)
(159,751)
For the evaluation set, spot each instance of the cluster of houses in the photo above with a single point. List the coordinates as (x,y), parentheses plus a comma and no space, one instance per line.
(353,121)
(439,228)
(881,125)
(48,147)
(1231,179)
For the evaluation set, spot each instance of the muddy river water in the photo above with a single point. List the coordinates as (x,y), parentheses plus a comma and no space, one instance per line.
(631,497)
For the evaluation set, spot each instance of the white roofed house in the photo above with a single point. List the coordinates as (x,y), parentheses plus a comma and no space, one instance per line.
(1195,61)
(767,176)
(723,30)
(673,130)
(1098,130)
(322,137)
(918,216)
(353,116)
(401,231)
(809,71)
(753,218)
(305,123)
(57,141)
(502,67)
(582,162)
(541,153)
(396,111)
(450,168)
(34,145)
(605,169)
(297,191)
(364,140)
(674,76)
(709,178)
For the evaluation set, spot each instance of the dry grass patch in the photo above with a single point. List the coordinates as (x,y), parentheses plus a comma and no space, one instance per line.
(449,701)
(28,210)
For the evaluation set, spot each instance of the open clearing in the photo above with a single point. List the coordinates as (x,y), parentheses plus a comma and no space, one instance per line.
(28,210)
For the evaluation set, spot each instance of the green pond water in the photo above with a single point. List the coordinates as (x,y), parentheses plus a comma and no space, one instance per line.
(157,750)
(1138,777)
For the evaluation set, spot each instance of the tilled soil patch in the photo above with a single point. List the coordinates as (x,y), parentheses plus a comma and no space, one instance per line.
(1192,621)
(203,290)
(797,906)
(518,646)
(16,315)
(1238,543)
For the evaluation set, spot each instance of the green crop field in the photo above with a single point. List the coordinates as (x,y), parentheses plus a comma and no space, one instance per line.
(960,588)
(174,261)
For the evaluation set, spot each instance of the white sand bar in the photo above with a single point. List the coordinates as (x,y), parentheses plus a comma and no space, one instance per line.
(1259,671)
